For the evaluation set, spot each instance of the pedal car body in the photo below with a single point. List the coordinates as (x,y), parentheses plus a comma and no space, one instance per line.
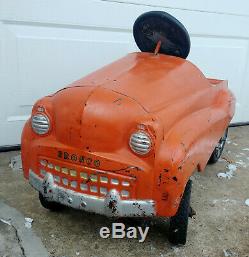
(93,152)
(125,140)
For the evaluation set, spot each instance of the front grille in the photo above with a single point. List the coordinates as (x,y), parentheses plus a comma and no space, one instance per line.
(87,180)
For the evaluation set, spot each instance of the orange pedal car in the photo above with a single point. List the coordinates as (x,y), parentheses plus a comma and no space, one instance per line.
(124,140)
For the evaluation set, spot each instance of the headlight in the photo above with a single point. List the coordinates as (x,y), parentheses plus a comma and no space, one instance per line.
(140,142)
(40,124)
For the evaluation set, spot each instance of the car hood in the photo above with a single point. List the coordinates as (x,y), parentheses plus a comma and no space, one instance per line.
(153,81)
(94,118)
(108,104)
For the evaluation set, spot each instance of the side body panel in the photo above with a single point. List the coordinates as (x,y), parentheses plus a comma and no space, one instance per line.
(188,144)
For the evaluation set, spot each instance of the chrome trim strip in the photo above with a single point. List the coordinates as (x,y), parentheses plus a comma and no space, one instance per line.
(111,205)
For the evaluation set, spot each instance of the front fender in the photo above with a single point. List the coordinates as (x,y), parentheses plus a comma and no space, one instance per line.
(185,148)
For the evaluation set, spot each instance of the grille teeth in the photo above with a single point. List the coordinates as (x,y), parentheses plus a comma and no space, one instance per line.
(93,189)
(64,170)
(125,183)
(57,179)
(83,187)
(114,181)
(100,184)
(65,181)
(83,175)
(73,184)
(43,163)
(73,173)
(103,190)
(103,179)
(125,193)
(93,178)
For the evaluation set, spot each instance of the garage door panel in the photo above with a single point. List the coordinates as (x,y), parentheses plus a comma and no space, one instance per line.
(45,53)
(223,58)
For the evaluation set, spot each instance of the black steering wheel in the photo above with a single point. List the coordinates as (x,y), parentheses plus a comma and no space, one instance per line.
(152,27)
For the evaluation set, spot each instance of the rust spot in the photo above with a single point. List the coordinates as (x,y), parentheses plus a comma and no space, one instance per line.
(198,167)
(165,170)
(89,161)
(183,145)
(74,157)
(180,168)
(159,179)
(165,196)
(66,155)
(96,163)
(118,101)
(60,154)
(174,178)
(112,205)
(81,159)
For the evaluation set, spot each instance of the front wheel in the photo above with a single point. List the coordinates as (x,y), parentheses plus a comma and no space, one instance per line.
(179,223)
(216,154)
(52,206)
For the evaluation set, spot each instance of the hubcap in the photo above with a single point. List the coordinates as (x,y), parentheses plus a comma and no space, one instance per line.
(219,147)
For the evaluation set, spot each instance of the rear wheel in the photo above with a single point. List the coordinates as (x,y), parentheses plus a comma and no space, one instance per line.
(52,206)
(216,154)
(179,223)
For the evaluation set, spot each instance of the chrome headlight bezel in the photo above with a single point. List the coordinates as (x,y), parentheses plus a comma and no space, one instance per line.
(140,142)
(40,123)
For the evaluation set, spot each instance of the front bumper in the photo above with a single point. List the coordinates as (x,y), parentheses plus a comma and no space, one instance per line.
(110,205)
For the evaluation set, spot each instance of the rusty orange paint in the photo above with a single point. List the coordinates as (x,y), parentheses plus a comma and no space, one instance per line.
(184,113)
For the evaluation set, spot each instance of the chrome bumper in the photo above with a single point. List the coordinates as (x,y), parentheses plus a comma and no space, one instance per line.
(111,205)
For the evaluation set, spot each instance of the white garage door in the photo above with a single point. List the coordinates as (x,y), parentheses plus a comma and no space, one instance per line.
(46,44)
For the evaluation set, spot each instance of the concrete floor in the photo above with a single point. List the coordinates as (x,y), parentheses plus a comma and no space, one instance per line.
(220,227)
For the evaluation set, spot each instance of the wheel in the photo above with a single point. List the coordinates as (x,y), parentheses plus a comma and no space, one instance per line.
(216,154)
(179,223)
(52,206)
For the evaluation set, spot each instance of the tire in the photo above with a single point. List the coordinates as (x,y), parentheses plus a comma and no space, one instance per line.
(216,154)
(179,223)
(52,206)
